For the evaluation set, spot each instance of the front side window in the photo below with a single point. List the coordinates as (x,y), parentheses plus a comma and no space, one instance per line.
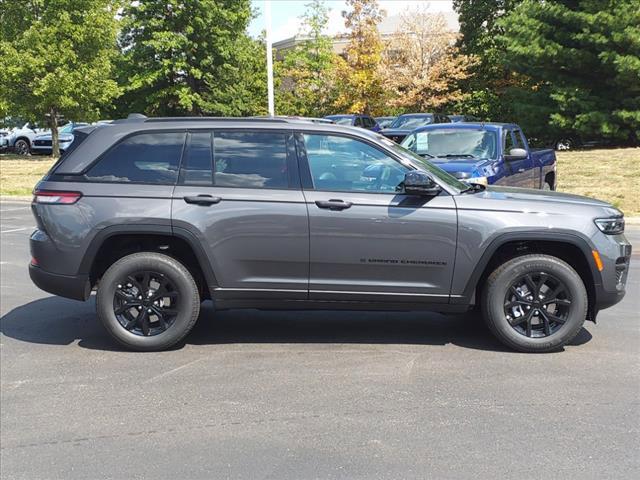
(453,143)
(344,164)
(144,158)
(250,159)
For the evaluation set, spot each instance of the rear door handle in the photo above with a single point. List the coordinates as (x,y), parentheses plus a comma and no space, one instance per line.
(333,204)
(520,170)
(202,199)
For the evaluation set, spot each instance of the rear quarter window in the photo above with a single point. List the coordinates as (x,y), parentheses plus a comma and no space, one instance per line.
(142,158)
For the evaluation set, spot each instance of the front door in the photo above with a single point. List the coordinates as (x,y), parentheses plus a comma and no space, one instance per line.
(520,171)
(368,242)
(239,193)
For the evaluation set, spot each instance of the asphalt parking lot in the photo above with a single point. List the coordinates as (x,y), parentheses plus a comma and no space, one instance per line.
(298,395)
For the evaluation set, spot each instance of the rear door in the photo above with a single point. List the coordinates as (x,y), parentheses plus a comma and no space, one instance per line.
(239,194)
(367,241)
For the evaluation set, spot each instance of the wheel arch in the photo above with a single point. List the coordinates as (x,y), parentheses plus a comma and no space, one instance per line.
(116,241)
(573,249)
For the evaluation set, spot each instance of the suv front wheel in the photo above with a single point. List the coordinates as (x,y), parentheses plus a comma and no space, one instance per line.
(535,303)
(148,301)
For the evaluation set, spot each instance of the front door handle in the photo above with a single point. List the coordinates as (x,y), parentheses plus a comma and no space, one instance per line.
(520,170)
(202,199)
(333,204)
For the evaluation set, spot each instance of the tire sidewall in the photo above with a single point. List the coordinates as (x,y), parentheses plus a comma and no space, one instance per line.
(497,289)
(181,279)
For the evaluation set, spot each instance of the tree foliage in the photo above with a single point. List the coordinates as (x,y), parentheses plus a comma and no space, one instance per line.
(191,57)
(359,73)
(421,65)
(584,56)
(490,86)
(57,59)
(306,73)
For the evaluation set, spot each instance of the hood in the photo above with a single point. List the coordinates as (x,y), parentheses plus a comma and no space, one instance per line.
(395,131)
(470,167)
(61,136)
(537,196)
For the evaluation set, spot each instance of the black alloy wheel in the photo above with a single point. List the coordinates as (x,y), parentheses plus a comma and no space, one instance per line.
(537,305)
(146,303)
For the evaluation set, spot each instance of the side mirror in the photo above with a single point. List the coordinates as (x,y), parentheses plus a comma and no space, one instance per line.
(516,154)
(419,183)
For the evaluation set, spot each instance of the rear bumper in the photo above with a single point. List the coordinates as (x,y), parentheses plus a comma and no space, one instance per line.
(76,287)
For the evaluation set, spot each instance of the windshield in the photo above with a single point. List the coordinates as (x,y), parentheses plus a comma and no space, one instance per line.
(410,122)
(341,120)
(68,128)
(452,142)
(423,164)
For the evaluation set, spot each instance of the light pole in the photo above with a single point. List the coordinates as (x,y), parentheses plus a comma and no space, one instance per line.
(267,20)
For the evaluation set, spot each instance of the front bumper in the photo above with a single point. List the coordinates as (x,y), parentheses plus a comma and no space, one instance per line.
(76,287)
(617,252)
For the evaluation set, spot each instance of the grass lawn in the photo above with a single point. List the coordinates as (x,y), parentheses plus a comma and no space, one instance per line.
(612,175)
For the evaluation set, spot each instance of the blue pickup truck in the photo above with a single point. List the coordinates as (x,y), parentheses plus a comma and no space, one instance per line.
(487,153)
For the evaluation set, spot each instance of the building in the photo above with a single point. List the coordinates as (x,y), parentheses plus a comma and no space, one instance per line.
(388,29)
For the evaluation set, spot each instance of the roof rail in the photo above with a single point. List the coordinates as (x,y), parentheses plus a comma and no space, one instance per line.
(215,119)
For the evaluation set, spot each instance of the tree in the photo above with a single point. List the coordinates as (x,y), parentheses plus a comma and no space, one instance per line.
(57,59)
(359,72)
(585,56)
(490,82)
(191,57)
(422,66)
(306,74)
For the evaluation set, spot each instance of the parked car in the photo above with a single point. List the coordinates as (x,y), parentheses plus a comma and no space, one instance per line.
(463,118)
(487,153)
(385,122)
(42,142)
(4,139)
(294,214)
(20,139)
(362,121)
(405,124)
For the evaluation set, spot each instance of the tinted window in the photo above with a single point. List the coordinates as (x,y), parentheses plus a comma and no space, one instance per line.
(358,122)
(143,158)
(197,160)
(345,164)
(250,159)
(508,141)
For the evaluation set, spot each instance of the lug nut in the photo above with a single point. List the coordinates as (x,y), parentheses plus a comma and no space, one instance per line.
(139,307)
(528,307)
(119,286)
(149,310)
(139,297)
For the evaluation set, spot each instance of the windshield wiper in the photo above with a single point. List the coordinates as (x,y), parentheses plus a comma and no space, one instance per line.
(457,155)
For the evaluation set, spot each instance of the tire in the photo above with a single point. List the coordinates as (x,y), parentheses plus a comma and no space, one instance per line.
(546,186)
(22,147)
(564,144)
(528,324)
(148,301)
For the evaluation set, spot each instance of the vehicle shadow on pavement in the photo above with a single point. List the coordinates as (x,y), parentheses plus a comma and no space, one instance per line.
(58,321)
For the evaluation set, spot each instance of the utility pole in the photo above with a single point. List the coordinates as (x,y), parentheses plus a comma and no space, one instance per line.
(267,20)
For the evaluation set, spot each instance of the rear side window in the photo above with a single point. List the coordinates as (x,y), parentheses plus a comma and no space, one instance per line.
(250,159)
(143,158)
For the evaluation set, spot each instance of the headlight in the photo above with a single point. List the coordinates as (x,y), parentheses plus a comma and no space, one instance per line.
(610,226)
(480,180)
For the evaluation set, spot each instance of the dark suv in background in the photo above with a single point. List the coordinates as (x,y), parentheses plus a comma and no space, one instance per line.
(158,214)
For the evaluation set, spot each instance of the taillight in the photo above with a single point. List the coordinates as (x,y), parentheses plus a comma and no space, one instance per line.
(51,197)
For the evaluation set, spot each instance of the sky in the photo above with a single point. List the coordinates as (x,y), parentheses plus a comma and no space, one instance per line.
(285,14)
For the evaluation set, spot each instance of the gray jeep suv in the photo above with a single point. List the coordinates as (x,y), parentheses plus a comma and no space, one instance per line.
(158,214)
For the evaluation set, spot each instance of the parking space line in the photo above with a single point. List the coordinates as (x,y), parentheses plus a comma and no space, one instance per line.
(16,230)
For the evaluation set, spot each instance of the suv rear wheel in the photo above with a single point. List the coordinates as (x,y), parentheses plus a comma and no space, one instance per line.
(148,301)
(535,303)
(22,147)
